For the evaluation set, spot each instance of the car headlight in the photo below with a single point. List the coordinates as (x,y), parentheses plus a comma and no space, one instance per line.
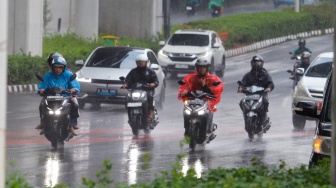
(300,91)
(322,145)
(81,79)
(164,53)
(202,54)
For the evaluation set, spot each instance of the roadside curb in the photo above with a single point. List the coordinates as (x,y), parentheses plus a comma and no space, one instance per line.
(271,42)
(30,88)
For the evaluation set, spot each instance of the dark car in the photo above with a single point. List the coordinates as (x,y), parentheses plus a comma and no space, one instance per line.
(322,138)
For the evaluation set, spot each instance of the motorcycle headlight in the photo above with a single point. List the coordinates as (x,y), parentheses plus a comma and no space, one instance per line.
(246,106)
(57,112)
(322,145)
(188,112)
(256,105)
(202,112)
(136,95)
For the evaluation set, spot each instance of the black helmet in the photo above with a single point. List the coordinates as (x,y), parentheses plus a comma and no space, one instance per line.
(302,42)
(202,62)
(52,56)
(257,62)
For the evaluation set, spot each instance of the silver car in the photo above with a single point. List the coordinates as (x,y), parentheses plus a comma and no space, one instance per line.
(99,75)
(311,86)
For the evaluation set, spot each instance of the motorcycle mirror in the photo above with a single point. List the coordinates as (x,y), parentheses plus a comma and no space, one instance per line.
(39,77)
(239,82)
(72,77)
(181,82)
(289,71)
(122,78)
(216,83)
(290,52)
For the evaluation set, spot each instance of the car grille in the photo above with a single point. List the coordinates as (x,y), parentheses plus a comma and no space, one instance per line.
(316,93)
(98,81)
(182,57)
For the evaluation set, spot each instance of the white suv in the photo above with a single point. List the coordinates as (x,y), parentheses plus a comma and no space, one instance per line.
(184,47)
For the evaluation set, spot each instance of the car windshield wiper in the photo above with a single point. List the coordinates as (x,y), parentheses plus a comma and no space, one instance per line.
(122,59)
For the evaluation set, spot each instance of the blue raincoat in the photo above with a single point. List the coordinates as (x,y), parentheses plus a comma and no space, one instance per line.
(51,79)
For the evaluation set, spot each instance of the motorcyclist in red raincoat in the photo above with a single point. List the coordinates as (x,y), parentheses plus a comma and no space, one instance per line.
(202,80)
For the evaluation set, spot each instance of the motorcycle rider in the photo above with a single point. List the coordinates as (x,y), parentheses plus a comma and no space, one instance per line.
(258,76)
(305,61)
(217,3)
(50,58)
(144,75)
(60,77)
(298,51)
(202,80)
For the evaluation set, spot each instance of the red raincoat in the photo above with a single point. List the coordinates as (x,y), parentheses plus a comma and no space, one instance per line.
(193,85)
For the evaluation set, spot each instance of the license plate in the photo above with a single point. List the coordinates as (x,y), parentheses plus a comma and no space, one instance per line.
(134,104)
(54,97)
(106,91)
(181,66)
(189,8)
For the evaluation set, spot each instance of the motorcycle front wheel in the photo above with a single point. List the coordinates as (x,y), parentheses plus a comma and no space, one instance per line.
(135,125)
(250,124)
(192,135)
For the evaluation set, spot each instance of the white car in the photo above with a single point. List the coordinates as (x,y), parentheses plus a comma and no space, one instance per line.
(311,86)
(184,47)
(99,75)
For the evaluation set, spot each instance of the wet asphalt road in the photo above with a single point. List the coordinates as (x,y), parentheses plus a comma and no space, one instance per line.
(105,134)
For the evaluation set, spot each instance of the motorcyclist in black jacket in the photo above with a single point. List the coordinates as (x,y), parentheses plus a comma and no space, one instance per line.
(258,76)
(144,75)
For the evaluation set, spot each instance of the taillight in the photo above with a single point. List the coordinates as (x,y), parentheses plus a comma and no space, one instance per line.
(319,105)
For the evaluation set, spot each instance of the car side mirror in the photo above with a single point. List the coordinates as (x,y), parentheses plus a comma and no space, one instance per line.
(307,108)
(155,66)
(162,43)
(79,63)
(216,45)
(300,71)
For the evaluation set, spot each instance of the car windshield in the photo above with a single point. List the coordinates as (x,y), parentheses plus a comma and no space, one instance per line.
(320,68)
(189,40)
(113,58)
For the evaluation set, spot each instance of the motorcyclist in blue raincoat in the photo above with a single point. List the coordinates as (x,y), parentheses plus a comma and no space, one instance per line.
(60,77)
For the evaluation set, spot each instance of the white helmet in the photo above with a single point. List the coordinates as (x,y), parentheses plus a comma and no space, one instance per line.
(141,57)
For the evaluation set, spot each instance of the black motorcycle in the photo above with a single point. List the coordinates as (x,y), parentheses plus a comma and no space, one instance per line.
(137,108)
(198,117)
(56,114)
(253,109)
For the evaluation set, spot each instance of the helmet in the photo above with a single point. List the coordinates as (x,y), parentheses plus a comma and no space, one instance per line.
(305,55)
(141,57)
(257,62)
(53,56)
(302,42)
(202,62)
(59,60)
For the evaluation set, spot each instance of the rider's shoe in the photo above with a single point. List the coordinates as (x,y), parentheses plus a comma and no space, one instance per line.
(72,131)
(40,126)
(291,77)
(42,132)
